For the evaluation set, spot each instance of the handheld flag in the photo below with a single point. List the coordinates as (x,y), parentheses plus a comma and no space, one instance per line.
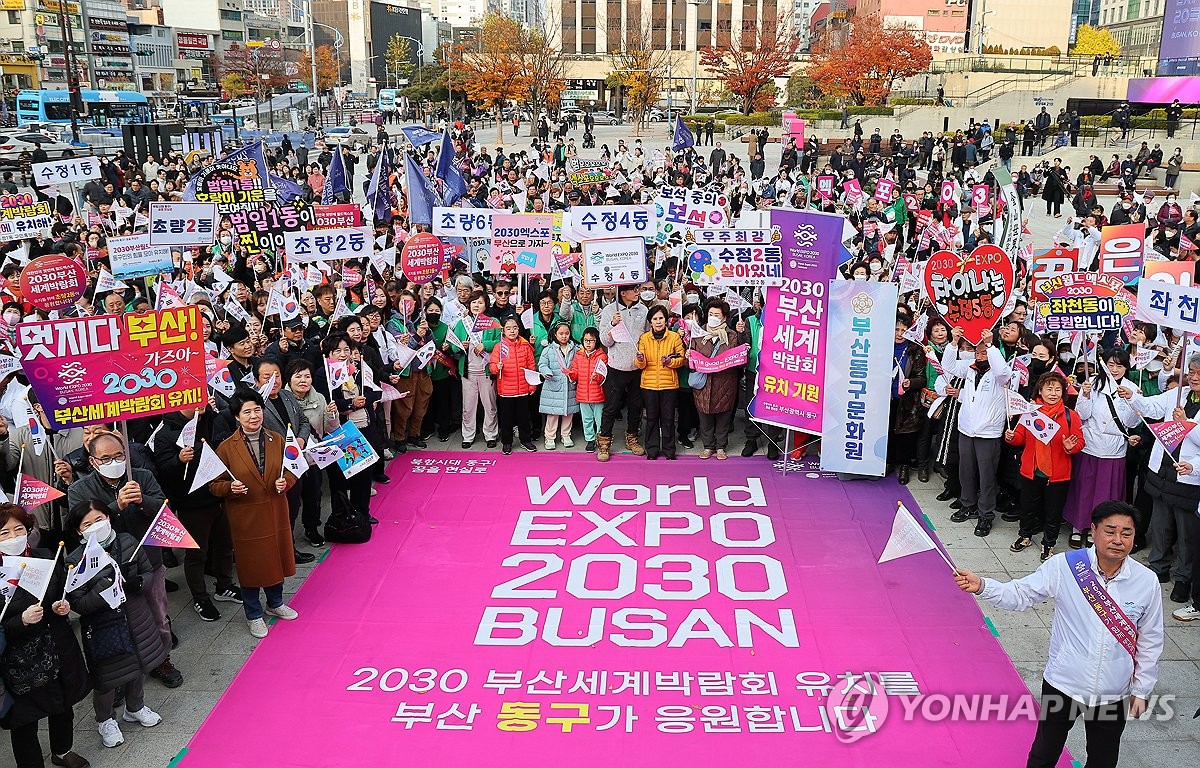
(1171,433)
(35,575)
(222,380)
(421,195)
(293,454)
(93,561)
(682,137)
(456,187)
(23,412)
(324,454)
(33,493)
(1018,405)
(167,531)
(210,467)
(532,377)
(338,372)
(187,435)
(908,537)
(106,282)
(335,181)
(266,389)
(1040,426)
(425,354)
(379,190)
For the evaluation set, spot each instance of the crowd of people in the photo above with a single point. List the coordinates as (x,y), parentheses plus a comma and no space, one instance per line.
(948,417)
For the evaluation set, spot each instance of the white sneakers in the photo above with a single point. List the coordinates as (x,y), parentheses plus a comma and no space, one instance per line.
(110,733)
(258,628)
(283,612)
(1187,613)
(568,443)
(146,716)
(549,444)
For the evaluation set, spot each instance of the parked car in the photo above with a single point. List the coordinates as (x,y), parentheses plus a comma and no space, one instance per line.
(241,104)
(12,145)
(656,115)
(604,117)
(344,134)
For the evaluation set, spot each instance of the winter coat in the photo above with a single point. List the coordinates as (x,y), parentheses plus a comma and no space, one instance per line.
(589,386)
(149,649)
(558,391)
(655,375)
(509,372)
(1054,190)
(134,519)
(1057,456)
(72,683)
(720,393)
(910,411)
(258,519)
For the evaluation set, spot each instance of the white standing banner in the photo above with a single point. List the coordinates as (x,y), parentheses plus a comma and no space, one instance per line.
(66,171)
(464,222)
(329,244)
(858,366)
(132,256)
(1170,305)
(183,223)
(616,261)
(609,221)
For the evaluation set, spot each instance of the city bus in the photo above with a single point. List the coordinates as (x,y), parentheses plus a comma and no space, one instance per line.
(99,107)
(388,98)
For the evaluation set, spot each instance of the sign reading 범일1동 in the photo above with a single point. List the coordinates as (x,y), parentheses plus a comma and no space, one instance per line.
(862,322)
(615,261)
(66,171)
(183,223)
(109,368)
(329,244)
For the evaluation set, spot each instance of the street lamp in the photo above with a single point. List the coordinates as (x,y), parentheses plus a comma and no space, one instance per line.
(693,21)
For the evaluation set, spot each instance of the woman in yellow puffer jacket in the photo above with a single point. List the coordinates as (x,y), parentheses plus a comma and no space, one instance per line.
(660,354)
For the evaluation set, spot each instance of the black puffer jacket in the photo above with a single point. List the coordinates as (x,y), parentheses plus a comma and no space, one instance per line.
(149,650)
(72,683)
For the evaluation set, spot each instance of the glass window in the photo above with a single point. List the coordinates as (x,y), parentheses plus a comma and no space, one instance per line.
(231,15)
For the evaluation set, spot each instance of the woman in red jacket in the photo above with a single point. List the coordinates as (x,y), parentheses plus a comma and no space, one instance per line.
(589,390)
(1046,467)
(511,358)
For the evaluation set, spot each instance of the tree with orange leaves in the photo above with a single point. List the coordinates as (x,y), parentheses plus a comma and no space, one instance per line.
(749,66)
(492,70)
(863,64)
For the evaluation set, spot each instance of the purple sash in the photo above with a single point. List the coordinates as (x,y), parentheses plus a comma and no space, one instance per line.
(1110,614)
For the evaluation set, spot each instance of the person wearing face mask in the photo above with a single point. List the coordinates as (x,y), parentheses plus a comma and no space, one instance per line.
(48,467)
(132,497)
(28,624)
(660,354)
(621,389)
(11,315)
(717,394)
(130,629)
(981,422)
(442,416)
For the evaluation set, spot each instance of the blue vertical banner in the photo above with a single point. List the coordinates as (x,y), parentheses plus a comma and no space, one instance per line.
(858,361)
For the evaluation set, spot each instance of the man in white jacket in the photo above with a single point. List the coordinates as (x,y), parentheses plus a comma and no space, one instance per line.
(1094,663)
(981,423)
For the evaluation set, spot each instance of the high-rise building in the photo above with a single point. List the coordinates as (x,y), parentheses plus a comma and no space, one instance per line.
(1137,24)
(461,13)
(944,25)
(1019,24)
(607,26)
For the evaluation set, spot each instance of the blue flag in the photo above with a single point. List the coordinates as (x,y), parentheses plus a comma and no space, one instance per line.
(683,136)
(335,181)
(231,162)
(379,190)
(286,190)
(421,194)
(448,172)
(419,136)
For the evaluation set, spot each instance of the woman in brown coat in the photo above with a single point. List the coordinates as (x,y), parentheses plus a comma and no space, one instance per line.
(717,399)
(257,508)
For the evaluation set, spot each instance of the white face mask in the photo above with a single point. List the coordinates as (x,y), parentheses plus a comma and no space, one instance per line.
(647,295)
(693,298)
(101,530)
(14,546)
(715,321)
(12,318)
(860,278)
(112,470)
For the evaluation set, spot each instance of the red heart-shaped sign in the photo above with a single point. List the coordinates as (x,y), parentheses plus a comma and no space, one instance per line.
(969,292)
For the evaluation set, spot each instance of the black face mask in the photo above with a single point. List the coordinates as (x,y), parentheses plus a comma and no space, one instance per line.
(983,365)
(1037,368)
(433,319)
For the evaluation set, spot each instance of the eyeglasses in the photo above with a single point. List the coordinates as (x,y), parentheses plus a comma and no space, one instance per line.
(109,460)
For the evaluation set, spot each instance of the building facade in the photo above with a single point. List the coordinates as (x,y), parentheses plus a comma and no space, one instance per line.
(1137,24)
(943,22)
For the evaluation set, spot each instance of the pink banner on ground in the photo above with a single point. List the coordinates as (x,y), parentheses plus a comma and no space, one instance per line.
(511,613)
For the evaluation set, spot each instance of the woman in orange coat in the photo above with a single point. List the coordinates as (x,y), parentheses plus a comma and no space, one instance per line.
(660,355)
(511,358)
(257,508)
(1046,467)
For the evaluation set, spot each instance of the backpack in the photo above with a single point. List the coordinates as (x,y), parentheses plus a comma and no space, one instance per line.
(346,525)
